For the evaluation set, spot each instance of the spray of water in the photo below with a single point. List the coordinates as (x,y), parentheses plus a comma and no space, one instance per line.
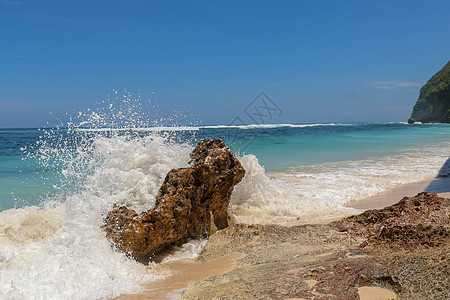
(100,159)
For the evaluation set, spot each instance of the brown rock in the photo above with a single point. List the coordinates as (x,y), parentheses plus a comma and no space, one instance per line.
(423,220)
(421,209)
(188,200)
(408,253)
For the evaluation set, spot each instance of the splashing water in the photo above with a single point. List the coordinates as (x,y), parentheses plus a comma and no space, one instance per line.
(58,250)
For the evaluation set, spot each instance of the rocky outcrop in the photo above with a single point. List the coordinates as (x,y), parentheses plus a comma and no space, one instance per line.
(404,248)
(189,201)
(420,221)
(433,105)
(425,210)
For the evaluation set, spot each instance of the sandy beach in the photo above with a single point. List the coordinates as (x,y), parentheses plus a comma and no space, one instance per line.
(440,185)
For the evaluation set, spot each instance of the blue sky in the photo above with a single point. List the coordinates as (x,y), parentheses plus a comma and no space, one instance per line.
(319,61)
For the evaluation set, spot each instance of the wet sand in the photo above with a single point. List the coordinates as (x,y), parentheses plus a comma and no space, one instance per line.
(440,185)
(183,272)
(375,293)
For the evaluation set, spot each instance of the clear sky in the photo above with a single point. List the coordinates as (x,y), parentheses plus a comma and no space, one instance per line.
(319,61)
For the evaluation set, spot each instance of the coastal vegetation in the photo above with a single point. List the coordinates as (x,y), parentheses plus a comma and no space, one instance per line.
(433,105)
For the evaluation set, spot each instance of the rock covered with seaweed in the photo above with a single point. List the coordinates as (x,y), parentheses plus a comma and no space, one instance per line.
(189,202)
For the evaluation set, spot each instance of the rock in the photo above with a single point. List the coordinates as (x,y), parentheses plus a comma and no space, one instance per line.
(433,105)
(187,202)
(423,220)
(408,253)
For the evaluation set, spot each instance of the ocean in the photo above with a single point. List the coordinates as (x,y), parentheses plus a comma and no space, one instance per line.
(56,186)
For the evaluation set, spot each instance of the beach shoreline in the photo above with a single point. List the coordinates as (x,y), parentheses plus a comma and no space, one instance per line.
(188,273)
(439,185)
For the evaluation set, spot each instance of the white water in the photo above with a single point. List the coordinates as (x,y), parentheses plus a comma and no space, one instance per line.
(196,128)
(320,192)
(158,128)
(59,251)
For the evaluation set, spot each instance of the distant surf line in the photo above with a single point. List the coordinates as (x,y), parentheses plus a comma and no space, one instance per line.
(196,128)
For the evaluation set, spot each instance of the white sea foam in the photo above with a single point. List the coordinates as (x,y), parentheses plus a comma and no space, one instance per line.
(189,250)
(320,192)
(196,128)
(132,170)
(263,198)
(232,126)
(72,261)
(59,251)
(268,126)
(143,129)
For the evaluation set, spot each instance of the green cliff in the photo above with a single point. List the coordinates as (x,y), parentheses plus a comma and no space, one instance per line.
(433,105)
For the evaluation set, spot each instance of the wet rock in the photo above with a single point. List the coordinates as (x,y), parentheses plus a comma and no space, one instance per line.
(189,200)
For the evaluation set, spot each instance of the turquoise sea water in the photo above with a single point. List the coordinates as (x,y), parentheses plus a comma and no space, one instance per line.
(279,148)
(56,186)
